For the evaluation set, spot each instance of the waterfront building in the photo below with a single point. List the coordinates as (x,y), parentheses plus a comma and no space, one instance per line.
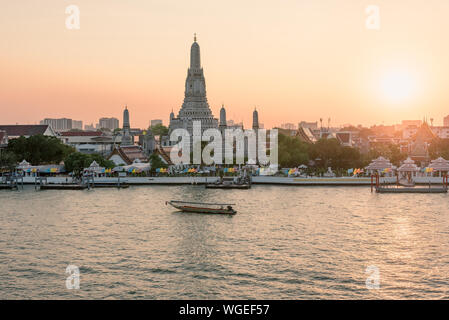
(108,123)
(195,106)
(380,165)
(90,141)
(27,130)
(61,124)
(408,168)
(440,165)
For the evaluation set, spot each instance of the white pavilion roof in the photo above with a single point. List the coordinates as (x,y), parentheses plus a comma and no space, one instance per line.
(439,164)
(379,164)
(94,166)
(408,166)
(24,164)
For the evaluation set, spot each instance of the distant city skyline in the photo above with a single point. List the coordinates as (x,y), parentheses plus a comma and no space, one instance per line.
(114,123)
(306,63)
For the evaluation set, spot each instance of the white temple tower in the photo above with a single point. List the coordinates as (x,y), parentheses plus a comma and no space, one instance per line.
(223,118)
(195,106)
(126,138)
(255,119)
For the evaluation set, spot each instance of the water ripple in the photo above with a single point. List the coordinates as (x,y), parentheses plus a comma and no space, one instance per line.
(284,243)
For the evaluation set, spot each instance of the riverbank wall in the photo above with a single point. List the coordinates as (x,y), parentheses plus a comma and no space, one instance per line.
(258,180)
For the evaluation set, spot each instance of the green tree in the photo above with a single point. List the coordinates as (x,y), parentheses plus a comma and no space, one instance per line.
(292,152)
(390,151)
(77,161)
(156,162)
(159,130)
(347,157)
(8,160)
(439,148)
(325,152)
(39,149)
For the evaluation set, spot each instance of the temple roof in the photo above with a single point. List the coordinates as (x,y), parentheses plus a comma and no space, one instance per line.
(424,133)
(129,154)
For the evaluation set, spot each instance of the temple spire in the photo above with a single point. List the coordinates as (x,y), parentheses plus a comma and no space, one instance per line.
(126,135)
(255,119)
(195,60)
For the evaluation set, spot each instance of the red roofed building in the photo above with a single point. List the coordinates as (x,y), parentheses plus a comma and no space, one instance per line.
(126,155)
(90,141)
(27,130)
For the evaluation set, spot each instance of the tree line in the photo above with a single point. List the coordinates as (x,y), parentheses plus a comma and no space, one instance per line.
(40,150)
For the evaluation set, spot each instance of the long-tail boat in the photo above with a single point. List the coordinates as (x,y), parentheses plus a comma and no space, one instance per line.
(202,207)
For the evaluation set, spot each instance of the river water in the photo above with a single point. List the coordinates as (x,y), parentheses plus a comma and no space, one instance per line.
(284,243)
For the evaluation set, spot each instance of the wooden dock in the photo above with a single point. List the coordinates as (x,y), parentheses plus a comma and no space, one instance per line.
(228,186)
(111,185)
(63,187)
(411,190)
(73,186)
(4,186)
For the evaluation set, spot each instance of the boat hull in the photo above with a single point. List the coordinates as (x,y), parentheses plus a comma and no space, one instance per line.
(202,210)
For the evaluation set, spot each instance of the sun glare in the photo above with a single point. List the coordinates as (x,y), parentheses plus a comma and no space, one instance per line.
(397,86)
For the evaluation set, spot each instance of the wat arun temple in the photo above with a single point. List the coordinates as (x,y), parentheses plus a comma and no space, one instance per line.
(195,106)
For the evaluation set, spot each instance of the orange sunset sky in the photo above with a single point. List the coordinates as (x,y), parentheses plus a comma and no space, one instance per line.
(293,59)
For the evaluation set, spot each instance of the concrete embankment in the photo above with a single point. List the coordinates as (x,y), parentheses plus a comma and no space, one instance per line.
(263,180)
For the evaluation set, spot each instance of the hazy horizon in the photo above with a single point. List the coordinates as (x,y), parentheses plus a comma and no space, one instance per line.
(299,61)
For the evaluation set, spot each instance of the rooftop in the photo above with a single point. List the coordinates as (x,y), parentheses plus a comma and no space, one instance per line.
(24,130)
(81,133)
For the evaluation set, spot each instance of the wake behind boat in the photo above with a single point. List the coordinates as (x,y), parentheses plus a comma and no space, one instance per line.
(202,207)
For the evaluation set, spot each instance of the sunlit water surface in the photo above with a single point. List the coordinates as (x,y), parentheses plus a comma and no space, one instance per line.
(284,243)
